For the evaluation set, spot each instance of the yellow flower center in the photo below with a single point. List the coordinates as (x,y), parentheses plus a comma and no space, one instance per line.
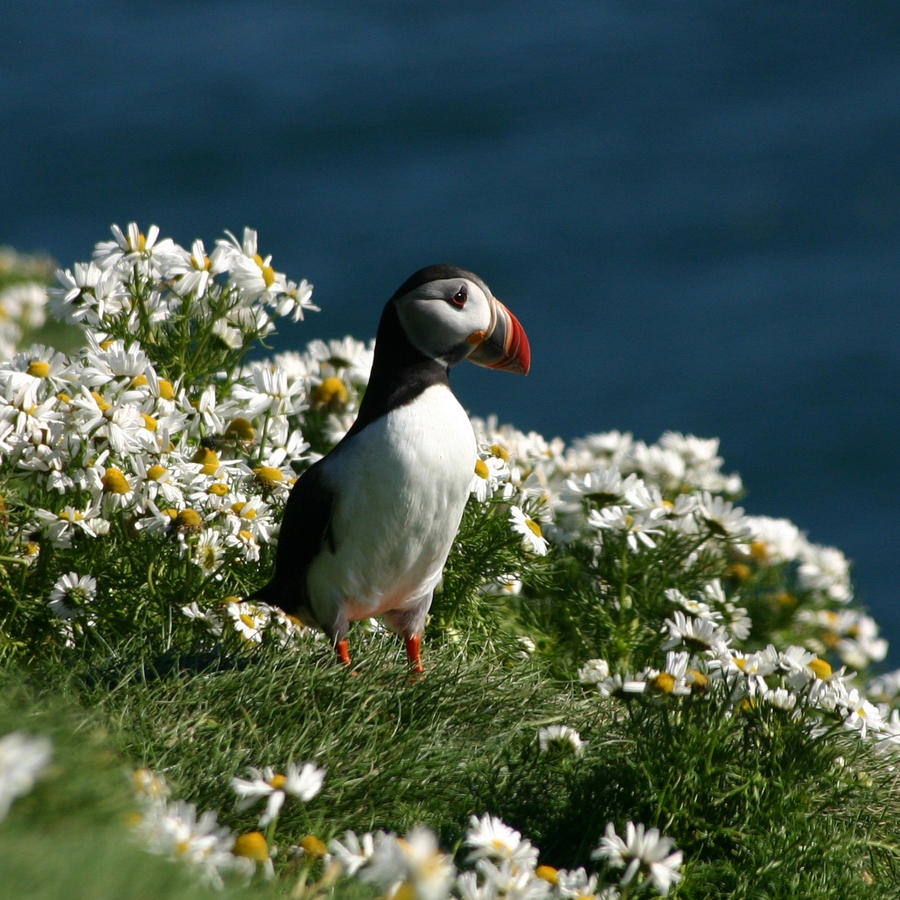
(63,397)
(220,489)
(500,452)
(268,273)
(277,781)
(268,476)
(208,458)
(759,551)
(739,571)
(188,518)
(102,405)
(740,662)
(251,845)
(313,845)
(548,874)
(240,429)
(155,472)
(664,682)
(534,527)
(166,391)
(701,681)
(331,391)
(139,381)
(150,423)
(105,345)
(245,536)
(115,482)
(38,368)
(786,599)
(821,668)
(481,469)
(201,265)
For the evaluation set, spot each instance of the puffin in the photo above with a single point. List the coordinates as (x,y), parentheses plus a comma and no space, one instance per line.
(367,528)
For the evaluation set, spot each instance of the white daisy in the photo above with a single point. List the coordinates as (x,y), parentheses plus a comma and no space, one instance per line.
(303,783)
(23,759)
(71,594)
(489,838)
(353,852)
(530,531)
(560,736)
(641,850)
(409,867)
(698,633)
(176,830)
(637,526)
(593,671)
(721,517)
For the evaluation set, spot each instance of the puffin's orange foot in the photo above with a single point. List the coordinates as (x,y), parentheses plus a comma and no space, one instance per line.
(343,651)
(414,653)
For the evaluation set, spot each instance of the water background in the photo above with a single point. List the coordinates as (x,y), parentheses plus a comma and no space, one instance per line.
(693,208)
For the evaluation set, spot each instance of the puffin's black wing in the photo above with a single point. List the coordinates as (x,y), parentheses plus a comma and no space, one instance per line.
(305,530)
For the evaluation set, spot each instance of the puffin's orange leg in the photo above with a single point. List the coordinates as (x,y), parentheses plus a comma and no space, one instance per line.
(414,652)
(343,649)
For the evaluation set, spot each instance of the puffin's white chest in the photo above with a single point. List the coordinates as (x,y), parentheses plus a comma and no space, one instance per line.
(401,486)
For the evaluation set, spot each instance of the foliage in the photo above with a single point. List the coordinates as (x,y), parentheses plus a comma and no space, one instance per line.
(663,694)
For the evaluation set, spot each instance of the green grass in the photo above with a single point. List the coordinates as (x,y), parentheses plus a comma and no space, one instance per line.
(759,808)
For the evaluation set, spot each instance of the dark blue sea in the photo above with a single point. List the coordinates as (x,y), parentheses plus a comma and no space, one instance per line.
(694,208)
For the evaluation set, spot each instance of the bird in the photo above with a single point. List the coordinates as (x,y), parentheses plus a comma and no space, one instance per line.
(368,527)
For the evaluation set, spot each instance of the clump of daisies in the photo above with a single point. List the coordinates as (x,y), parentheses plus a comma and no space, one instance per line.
(501,863)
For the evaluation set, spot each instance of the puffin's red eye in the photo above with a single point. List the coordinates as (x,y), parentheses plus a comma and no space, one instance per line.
(460,297)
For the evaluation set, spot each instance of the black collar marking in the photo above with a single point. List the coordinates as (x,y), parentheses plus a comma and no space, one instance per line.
(400,372)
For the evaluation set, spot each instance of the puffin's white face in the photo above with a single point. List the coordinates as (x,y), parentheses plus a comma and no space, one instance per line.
(440,318)
(450,319)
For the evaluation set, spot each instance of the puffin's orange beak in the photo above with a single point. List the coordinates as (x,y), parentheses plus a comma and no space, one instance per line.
(504,345)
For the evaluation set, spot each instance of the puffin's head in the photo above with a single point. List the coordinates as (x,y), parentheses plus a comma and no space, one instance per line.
(450,314)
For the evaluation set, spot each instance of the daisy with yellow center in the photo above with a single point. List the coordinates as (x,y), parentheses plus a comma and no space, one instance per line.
(252,845)
(300,782)
(208,459)
(331,392)
(240,429)
(38,368)
(115,482)
(268,476)
(490,838)
(530,531)
(188,519)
